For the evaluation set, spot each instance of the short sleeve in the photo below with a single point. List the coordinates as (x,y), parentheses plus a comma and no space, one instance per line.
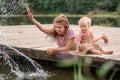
(61,41)
(70,34)
(77,38)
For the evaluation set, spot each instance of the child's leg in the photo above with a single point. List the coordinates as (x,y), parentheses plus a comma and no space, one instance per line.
(108,52)
(102,36)
(94,51)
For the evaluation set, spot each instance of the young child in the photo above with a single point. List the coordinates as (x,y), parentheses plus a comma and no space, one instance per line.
(61,33)
(85,41)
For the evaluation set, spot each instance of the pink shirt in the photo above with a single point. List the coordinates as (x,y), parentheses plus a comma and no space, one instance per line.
(61,41)
(78,37)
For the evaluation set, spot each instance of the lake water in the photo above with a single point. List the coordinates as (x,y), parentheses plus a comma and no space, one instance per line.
(55,72)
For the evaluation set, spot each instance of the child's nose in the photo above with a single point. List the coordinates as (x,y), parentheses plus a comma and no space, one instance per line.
(57,29)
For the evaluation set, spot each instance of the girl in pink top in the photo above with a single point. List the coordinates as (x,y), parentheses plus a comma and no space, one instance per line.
(61,33)
(85,41)
(61,41)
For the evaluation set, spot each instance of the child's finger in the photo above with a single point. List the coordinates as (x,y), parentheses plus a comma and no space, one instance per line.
(48,51)
(28,10)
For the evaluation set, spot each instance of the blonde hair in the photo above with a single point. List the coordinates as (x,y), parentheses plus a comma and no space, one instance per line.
(85,19)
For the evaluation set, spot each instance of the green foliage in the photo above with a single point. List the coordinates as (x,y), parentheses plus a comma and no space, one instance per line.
(118,22)
(113,74)
(88,61)
(72,6)
(0,2)
(104,4)
(47,4)
(105,69)
(118,9)
(81,63)
(61,6)
(66,63)
(115,4)
(77,63)
(106,23)
(23,7)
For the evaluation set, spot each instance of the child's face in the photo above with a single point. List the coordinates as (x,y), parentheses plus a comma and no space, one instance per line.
(60,29)
(84,26)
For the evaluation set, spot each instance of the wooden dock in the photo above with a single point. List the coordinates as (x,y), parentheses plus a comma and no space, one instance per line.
(33,43)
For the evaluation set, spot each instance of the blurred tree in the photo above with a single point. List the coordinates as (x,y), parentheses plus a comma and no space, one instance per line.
(47,6)
(118,9)
(9,7)
(58,6)
(115,4)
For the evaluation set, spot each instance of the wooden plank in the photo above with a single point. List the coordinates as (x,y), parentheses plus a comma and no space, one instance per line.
(33,43)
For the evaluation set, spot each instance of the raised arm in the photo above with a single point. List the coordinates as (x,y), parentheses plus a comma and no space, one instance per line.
(39,25)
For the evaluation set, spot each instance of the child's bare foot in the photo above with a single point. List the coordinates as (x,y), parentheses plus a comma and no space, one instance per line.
(108,52)
(104,37)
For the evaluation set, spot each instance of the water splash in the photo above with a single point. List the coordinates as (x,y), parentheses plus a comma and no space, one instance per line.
(11,8)
(39,73)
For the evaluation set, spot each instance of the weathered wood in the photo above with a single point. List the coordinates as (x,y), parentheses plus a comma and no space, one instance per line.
(33,43)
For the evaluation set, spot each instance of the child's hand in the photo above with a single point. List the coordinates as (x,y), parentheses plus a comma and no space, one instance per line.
(50,51)
(77,52)
(29,14)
